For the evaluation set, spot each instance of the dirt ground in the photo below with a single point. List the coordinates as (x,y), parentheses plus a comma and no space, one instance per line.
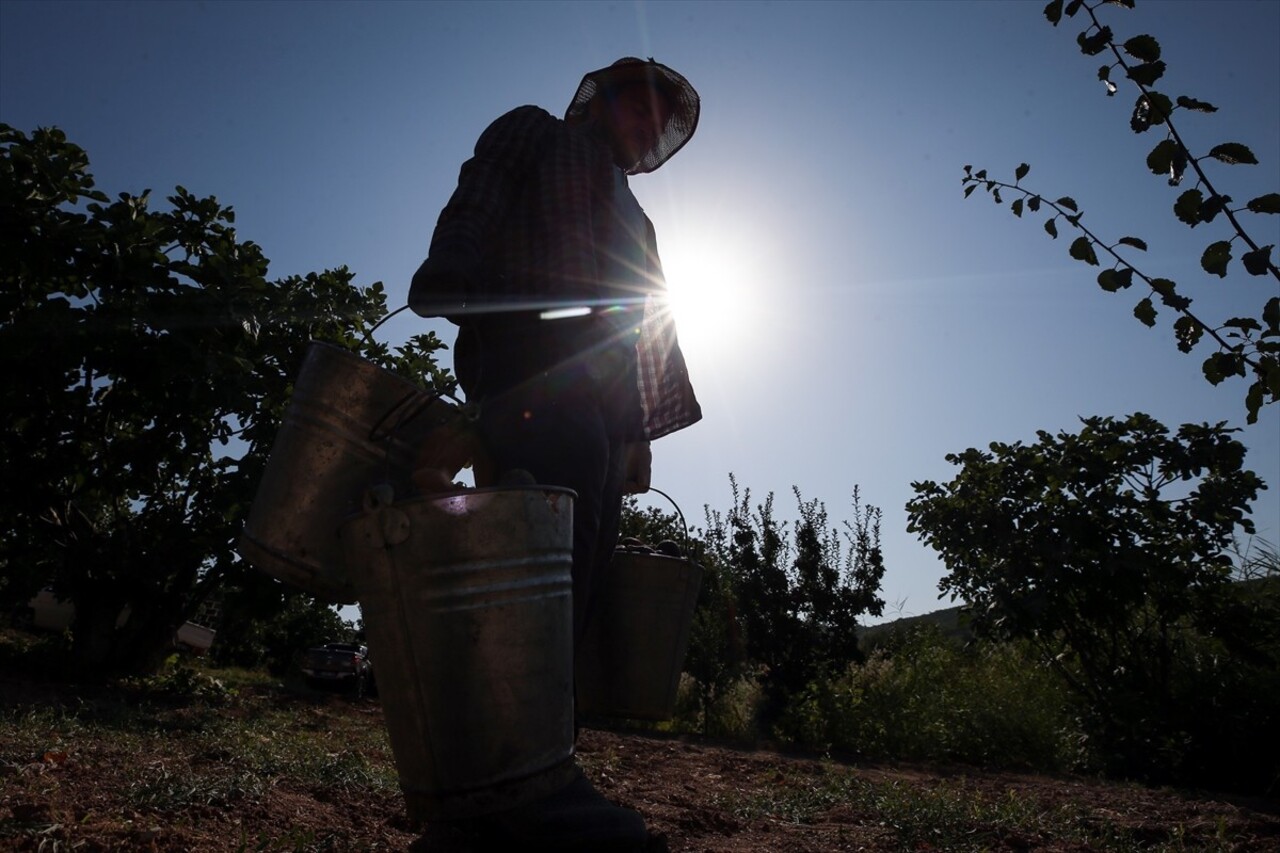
(694,795)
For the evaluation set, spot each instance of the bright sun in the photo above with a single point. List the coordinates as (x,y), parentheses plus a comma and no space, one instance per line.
(711,299)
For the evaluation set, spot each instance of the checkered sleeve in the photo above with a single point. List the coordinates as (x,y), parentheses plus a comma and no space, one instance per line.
(665,391)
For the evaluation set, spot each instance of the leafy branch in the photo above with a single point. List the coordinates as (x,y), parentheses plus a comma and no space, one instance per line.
(1246,345)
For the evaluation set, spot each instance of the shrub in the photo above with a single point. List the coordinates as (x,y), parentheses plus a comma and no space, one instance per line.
(921,697)
(732,713)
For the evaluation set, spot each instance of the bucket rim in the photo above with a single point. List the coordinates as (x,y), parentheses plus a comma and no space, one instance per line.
(645,553)
(410,500)
(485,490)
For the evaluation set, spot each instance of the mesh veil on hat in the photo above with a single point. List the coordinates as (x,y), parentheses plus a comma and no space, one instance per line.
(683,99)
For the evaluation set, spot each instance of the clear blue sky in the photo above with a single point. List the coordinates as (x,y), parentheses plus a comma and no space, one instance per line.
(849,319)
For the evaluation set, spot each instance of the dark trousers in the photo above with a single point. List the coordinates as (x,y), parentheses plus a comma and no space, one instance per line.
(561,425)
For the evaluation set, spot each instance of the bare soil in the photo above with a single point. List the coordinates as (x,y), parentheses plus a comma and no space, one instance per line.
(71,793)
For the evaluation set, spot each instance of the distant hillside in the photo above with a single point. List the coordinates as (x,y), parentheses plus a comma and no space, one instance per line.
(948,622)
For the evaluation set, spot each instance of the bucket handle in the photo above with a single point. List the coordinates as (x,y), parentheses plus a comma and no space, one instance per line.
(368,336)
(401,413)
(688,542)
(404,410)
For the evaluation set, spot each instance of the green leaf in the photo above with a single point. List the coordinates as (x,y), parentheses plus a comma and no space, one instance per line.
(1051,226)
(1069,203)
(1016,207)
(1178,167)
(1134,242)
(1092,45)
(1160,160)
(1216,257)
(1269,203)
(969,190)
(1188,333)
(1197,106)
(1271,314)
(1257,262)
(1104,74)
(1147,74)
(1149,110)
(1082,250)
(1253,401)
(1214,205)
(1244,324)
(1161,106)
(1021,172)
(1053,12)
(1169,295)
(1140,119)
(995,195)
(1143,48)
(1115,280)
(1187,207)
(1233,153)
(1217,367)
(1033,203)
(1146,312)
(1073,7)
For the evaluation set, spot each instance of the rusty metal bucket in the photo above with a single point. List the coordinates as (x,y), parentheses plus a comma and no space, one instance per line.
(635,643)
(467,603)
(349,424)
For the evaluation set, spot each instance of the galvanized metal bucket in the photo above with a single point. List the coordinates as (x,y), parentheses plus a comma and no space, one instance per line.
(635,643)
(349,424)
(467,603)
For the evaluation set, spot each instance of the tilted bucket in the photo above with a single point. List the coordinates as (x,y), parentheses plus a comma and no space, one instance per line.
(635,643)
(467,603)
(349,424)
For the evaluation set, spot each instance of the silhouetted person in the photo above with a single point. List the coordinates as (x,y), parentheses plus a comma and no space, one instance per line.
(549,267)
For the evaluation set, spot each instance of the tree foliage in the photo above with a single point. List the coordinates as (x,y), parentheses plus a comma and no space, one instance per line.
(1110,550)
(271,626)
(779,602)
(799,593)
(149,363)
(1247,346)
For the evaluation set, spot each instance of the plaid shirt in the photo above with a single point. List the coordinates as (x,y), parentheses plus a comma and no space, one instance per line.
(536,221)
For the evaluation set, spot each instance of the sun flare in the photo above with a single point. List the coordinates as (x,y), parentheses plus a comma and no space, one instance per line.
(710,299)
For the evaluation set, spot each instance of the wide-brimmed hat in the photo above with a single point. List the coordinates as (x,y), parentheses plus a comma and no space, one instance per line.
(684,102)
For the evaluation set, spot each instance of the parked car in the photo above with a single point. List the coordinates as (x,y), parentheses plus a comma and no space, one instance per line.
(340,665)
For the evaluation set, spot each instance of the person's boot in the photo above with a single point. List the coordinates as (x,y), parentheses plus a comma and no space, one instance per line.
(574,819)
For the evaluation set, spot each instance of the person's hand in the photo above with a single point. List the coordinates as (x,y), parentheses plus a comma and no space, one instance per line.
(441,286)
(444,452)
(639,462)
